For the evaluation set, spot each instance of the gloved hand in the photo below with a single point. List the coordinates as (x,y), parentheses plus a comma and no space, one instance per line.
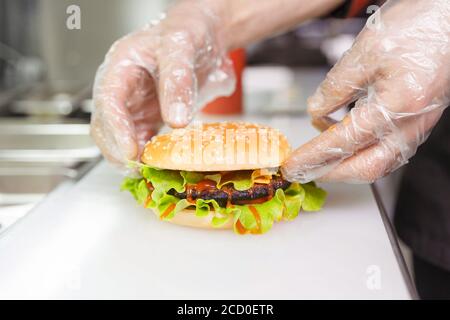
(163,72)
(398,72)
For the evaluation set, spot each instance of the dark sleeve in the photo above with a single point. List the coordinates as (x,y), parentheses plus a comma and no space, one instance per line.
(352,8)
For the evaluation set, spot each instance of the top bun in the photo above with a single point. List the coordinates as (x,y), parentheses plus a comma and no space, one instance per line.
(220,146)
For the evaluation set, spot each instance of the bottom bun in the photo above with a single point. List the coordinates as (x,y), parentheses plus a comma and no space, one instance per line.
(188,218)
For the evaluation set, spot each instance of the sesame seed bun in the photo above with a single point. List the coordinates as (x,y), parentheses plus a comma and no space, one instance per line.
(220,146)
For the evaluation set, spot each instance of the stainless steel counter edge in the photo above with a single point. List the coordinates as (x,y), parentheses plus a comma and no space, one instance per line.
(393,239)
(63,187)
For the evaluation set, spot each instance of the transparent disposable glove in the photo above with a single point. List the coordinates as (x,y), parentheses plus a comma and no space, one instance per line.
(165,71)
(398,72)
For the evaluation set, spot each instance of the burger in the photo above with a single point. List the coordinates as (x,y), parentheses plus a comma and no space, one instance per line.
(221,176)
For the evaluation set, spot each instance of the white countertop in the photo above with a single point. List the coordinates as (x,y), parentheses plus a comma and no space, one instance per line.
(92,241)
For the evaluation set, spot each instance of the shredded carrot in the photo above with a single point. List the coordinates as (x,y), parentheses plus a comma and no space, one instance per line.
(240,228)
(147,201)
(167,211)
(257,218)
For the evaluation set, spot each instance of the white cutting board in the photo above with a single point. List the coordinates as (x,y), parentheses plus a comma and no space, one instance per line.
(93,241)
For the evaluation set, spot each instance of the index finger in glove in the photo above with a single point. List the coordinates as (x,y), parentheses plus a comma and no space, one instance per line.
(388,154)
(123,97)
(373,118)
(344,83)
(178,81)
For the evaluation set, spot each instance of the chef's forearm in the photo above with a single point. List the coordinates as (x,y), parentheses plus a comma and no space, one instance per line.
(252,20)
(241,22)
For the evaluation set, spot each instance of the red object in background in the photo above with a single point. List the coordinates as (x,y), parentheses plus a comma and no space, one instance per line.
(233,103)
(358,6)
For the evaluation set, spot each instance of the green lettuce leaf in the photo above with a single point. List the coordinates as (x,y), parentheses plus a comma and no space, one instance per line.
(167,179)
(220,220)
(202,207)
(165,206)
(246,217)
(137,187)
(164,180)
(277,208)
(241,180)
(314,197)
(214,177)
(130,184)
(192,177)
(254,218)
(294,197)
(220,215)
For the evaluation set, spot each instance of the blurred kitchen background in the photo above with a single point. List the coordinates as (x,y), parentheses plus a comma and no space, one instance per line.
(46,76)
(47,72)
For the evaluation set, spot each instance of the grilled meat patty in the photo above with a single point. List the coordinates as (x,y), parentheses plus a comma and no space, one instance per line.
(222,195)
